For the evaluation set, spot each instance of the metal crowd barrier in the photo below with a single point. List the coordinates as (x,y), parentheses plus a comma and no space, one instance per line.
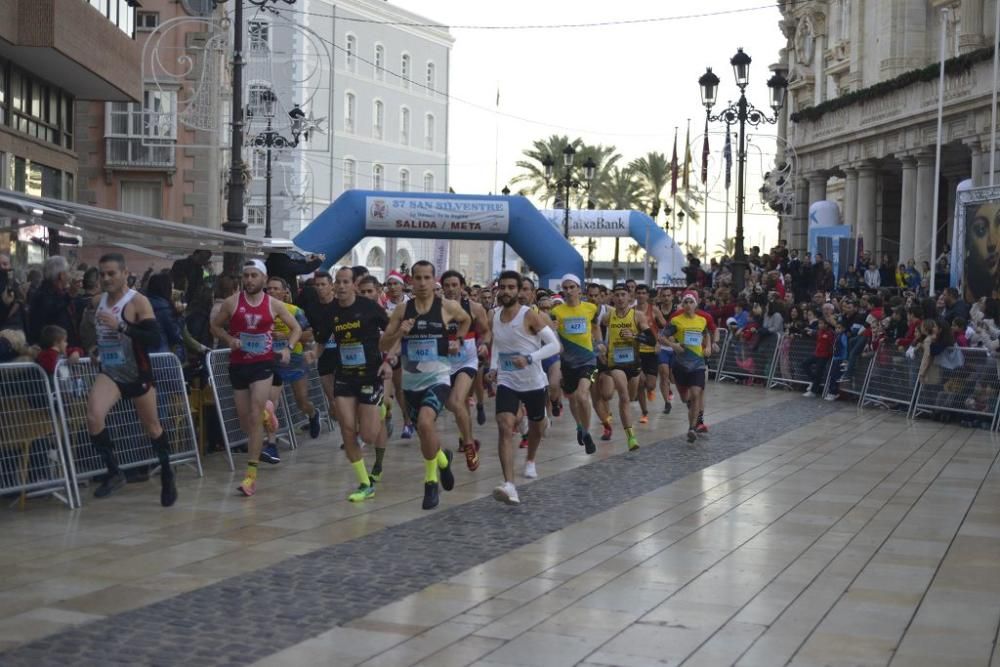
(891,379)
(713,361)
(73,383)
(789,370)
(971,390)
(743,360)
(32,450)
(317,397)
(222,389)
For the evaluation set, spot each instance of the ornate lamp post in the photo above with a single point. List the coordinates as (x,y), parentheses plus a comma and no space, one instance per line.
(741,112)
(271,138)
(503,249)
(567,182)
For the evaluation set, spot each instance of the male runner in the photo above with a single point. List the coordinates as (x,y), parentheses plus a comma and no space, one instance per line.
(319,312)
(578,332)
(422,326)
(648,359)
(521,339)
(394,297)
(665,356)
(295,373)
(465,363)
(244,323)
(126,330)
(687,334)
(627,329)
(355,325)
(369,288)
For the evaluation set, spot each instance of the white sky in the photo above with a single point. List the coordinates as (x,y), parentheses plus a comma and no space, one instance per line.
(626,85)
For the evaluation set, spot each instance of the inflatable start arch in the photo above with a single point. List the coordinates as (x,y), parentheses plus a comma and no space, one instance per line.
(360,213)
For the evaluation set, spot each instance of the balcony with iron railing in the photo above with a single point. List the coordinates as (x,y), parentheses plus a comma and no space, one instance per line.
(141,140)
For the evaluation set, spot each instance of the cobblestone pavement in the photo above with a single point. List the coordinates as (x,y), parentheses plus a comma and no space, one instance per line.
(245,618)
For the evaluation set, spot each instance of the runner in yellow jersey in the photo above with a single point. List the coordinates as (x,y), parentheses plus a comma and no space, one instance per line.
(627,330)
(687,334)
(576,324)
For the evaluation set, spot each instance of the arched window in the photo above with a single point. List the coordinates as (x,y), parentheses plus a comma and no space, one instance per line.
(376,258)
(404,126)
(429,131)
(404,180)
(378,177)
(350,112)
(379,62)
(350,174)
(378,120)
(351,53)
(428,181)
(404,70)
(431,77)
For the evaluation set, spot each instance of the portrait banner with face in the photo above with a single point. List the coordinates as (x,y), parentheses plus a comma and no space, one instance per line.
(977,237)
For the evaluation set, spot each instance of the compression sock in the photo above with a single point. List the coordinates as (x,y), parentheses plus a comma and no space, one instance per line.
(442,460)
(701,416)
(629,432)
(431,470)
(161,446)
(379,455)
(606,420)
(252,470)
(106,448)
(361,472)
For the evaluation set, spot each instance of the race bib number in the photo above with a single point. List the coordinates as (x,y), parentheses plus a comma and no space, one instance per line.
(111,353)
(421,349)
(331,344)
(575,325)
(352,354)
(279,345)
(507,361)
(692,338)
(253,343)
(623,355)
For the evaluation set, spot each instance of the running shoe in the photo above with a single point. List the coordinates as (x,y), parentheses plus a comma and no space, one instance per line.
(314,425)
(447,476)
(701,427)
(588,444)
(430,495)
(168,488)
(831,397)
(529,470)
(270,419)
(692,435)
(407,433)
(667,407)
(376,473)
(110,484)
(480,414)
(606,435)
(524,442)
(507,494)
(248,487)
(651,395)
(556,408)
(633,443)
(471,457)
(270,454)
(364,492)
(644,419)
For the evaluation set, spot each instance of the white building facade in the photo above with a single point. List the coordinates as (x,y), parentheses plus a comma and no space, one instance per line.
(862,113)
(381,85)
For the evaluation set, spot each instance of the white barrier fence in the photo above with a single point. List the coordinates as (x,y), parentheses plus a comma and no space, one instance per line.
(748,359)
(317,397)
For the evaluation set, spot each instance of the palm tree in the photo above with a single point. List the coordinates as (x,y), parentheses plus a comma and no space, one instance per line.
(621,191)
(590,246)
(727,247)
(654,170)
(695,249)
(633,253)
(549,190)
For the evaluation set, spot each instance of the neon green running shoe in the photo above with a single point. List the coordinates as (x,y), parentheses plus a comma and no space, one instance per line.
(363,493)
(633,443)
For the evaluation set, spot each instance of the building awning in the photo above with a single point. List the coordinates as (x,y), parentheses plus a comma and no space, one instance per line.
(104,227)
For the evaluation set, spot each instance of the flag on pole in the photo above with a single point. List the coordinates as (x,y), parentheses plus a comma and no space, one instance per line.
(727,155)
(704,161)
(673,167)
(687,159)
(498,97)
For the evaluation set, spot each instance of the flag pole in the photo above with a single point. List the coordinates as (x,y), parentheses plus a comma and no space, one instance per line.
(993,116)
(937,158)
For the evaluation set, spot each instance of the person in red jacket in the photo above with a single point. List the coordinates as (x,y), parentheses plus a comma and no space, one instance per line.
(815,366)
(54,346)
(914,317)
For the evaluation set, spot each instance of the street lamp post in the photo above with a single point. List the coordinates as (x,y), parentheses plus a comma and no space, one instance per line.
(234,206)
(271,138)
(567,182)
(741,112)
(503,250)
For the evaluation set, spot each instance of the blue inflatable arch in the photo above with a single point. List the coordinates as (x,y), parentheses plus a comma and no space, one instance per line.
(360,213)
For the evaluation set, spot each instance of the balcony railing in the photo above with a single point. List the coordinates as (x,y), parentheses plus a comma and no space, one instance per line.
(130,152)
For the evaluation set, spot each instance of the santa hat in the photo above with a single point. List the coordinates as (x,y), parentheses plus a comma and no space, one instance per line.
(690,294)
(397,276)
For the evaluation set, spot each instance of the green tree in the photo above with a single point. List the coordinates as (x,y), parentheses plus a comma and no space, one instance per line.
(621,191)
(633,254)
(727,247)
(548,190)
(654,171)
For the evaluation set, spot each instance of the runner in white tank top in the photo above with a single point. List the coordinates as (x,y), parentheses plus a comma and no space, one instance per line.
(521,339)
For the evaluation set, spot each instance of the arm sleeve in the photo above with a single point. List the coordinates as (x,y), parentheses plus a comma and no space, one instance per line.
(551,346)
(144,331)
(646,337)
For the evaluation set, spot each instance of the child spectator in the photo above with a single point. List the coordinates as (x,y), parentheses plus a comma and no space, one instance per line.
(839,361)
(958,332)
(54,345)
(815,366)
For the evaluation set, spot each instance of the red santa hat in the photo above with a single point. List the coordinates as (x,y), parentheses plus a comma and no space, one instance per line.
(397,276)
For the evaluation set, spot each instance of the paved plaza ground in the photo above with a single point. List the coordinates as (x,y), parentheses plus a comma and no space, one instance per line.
(799,532)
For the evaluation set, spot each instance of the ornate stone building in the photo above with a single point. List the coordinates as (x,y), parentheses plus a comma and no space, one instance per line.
(862,113)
